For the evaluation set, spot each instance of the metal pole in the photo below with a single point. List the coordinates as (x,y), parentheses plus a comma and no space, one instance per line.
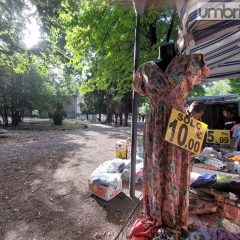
(134,110)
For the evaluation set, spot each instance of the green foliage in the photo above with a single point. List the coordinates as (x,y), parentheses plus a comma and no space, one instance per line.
(101,41)
(94,102)
(144,108)
(28,91)
(12,23)
(198,90)
(221,87)
(87,45)
(97,40)
(94,41)
(218,88)
(235,85)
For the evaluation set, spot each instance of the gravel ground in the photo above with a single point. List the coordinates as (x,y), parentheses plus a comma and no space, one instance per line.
(44,193)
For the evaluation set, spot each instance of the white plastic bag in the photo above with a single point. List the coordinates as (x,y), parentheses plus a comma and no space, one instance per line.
(106,179)
(111,166)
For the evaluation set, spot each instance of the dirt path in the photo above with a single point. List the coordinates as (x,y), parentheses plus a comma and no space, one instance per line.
(44,194)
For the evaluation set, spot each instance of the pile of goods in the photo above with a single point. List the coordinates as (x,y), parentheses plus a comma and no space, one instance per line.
(225,160)
(106,181)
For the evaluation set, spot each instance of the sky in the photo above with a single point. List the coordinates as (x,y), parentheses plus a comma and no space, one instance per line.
(32,33)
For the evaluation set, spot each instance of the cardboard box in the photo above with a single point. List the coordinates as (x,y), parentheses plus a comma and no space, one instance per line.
(139,148)
(121,149)
(104,192)
(230,208)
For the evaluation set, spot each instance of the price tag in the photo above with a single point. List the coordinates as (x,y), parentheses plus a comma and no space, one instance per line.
(218,136)
(185,132)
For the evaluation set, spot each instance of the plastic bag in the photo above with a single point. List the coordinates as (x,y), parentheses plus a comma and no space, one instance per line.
(194,177)
(112,166)
(106,179)
(208,151)
(204,180)
(139,172)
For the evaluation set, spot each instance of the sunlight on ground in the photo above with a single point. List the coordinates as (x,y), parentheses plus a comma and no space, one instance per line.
(45,124)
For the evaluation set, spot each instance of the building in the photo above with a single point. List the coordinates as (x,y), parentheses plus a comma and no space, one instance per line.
(72,106)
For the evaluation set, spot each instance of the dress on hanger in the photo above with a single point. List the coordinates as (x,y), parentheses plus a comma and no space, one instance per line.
(166,174)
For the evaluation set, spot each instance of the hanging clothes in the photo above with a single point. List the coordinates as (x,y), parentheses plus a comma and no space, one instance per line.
(166,174)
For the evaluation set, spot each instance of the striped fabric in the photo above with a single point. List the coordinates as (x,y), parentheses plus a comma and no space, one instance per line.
(202,30)
(228,70)
(218,41)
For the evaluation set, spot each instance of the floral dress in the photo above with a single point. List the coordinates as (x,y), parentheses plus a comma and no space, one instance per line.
(166,174)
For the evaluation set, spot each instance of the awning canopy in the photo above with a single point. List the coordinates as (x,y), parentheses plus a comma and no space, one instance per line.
(216,98)
(217,40)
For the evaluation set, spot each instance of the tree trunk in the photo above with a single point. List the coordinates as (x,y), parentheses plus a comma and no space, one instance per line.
(126,119)
(58,115)
(87,116)
(15,116)
(109,118)
(100,117)
(152,34)
(21,116)
(116,118)
(4,114)
(121,119)
(170,26)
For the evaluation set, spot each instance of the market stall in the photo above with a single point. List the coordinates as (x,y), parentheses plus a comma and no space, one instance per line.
(214,34)
(213,188)
(218,42)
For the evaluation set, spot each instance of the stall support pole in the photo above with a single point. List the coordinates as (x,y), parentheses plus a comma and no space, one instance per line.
(134,110)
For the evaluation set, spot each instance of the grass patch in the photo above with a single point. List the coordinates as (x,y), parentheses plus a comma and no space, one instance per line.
(44,125)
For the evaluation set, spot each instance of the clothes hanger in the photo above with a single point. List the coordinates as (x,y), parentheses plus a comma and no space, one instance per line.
(166,54)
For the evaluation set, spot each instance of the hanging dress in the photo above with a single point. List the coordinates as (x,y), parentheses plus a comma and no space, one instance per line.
(166,174)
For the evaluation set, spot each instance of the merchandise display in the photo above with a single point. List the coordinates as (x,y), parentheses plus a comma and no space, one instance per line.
(224,159)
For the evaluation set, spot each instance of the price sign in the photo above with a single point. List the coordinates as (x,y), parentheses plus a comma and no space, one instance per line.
(218,136)
(185,131)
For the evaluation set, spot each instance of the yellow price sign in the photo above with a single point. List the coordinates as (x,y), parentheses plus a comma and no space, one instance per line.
(218,136)
(185,131)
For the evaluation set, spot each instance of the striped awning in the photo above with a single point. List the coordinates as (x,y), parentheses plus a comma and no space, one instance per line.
(216,98)
(218,41)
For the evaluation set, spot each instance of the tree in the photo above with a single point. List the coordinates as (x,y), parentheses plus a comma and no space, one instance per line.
(94,43)
(99,38)
(218,88)
(24,92)
(94,103)
(198,90)
(234,85)
(27,78)
(144,108)
(58,115)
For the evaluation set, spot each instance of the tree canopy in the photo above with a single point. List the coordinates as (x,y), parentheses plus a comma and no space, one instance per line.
(85,45)
(97,39)
(27,80)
